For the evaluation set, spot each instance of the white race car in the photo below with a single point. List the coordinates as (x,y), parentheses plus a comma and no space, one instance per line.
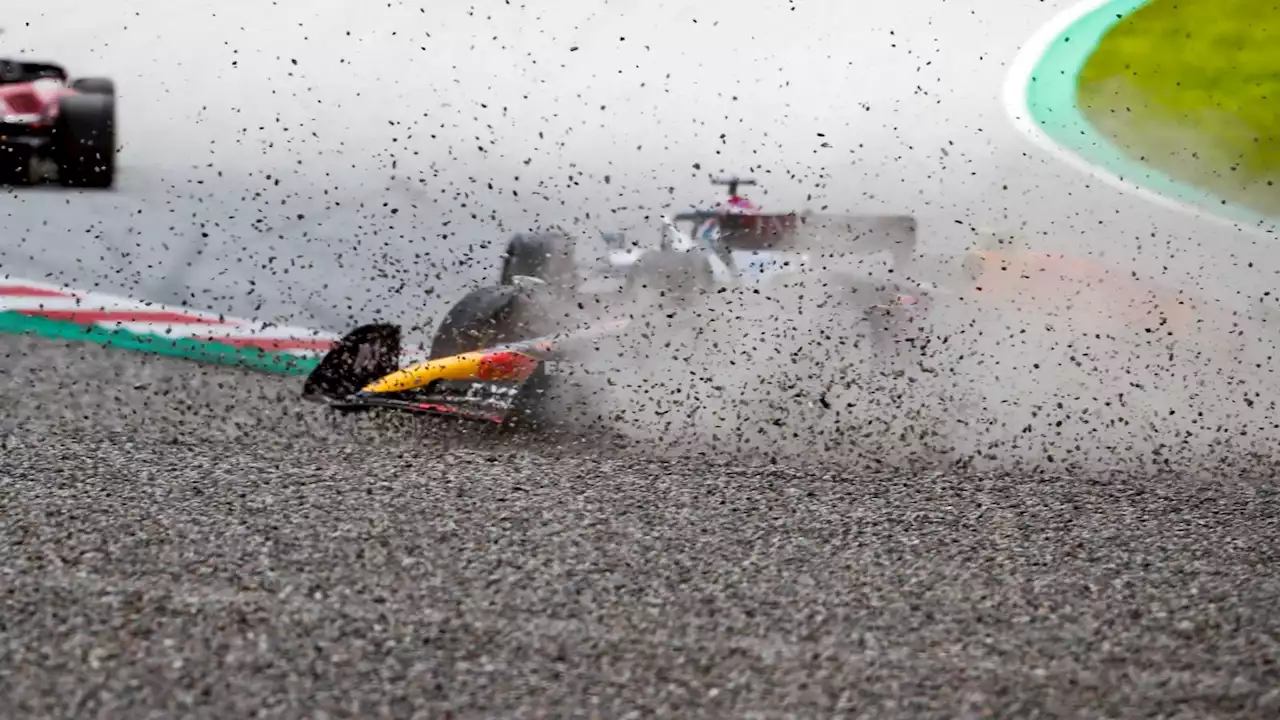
(721,261)
(734,244)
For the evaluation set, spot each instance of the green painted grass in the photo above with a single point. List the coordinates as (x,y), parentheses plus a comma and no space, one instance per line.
(1192,88)
(207,352)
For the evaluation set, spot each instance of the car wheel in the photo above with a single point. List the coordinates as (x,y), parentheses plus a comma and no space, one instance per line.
(85,141)
(485,317)
(94,86)
(17,165)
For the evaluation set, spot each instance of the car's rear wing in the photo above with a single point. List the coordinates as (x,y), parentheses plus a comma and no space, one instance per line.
(811,232)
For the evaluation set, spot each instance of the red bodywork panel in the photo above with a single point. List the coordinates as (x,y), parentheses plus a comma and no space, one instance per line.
(506,366)
(37,97)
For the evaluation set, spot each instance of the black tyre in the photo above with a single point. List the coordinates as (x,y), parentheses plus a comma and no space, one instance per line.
(547,257)
(94,86)
(486,317)
(85,141)
(15,165)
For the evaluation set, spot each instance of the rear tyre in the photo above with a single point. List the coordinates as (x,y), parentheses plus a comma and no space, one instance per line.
(485,317)
(85,141)
(94,86)
(16,165)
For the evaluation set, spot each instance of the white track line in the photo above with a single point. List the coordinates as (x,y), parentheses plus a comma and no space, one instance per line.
(80,300)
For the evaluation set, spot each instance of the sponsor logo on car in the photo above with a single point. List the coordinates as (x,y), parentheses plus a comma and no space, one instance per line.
(563,368)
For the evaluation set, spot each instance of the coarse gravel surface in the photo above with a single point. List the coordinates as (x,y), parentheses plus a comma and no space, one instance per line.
(188,541)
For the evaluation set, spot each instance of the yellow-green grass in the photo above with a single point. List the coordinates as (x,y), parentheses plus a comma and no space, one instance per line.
(1192,88)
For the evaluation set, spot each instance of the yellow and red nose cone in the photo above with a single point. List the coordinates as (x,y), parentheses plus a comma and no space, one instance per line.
(505,366)
(489,366)
(455,367)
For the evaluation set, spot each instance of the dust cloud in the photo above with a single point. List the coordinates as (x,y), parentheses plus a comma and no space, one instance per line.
(282,200)
(1083,379)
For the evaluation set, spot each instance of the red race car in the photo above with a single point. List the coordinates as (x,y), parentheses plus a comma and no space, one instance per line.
(53,128)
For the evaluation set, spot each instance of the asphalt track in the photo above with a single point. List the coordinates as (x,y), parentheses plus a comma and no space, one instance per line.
(181,540)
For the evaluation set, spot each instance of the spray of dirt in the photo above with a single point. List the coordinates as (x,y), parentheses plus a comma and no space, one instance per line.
(1085,379)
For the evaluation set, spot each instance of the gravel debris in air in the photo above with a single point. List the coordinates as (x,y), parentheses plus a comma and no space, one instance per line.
(188,541)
